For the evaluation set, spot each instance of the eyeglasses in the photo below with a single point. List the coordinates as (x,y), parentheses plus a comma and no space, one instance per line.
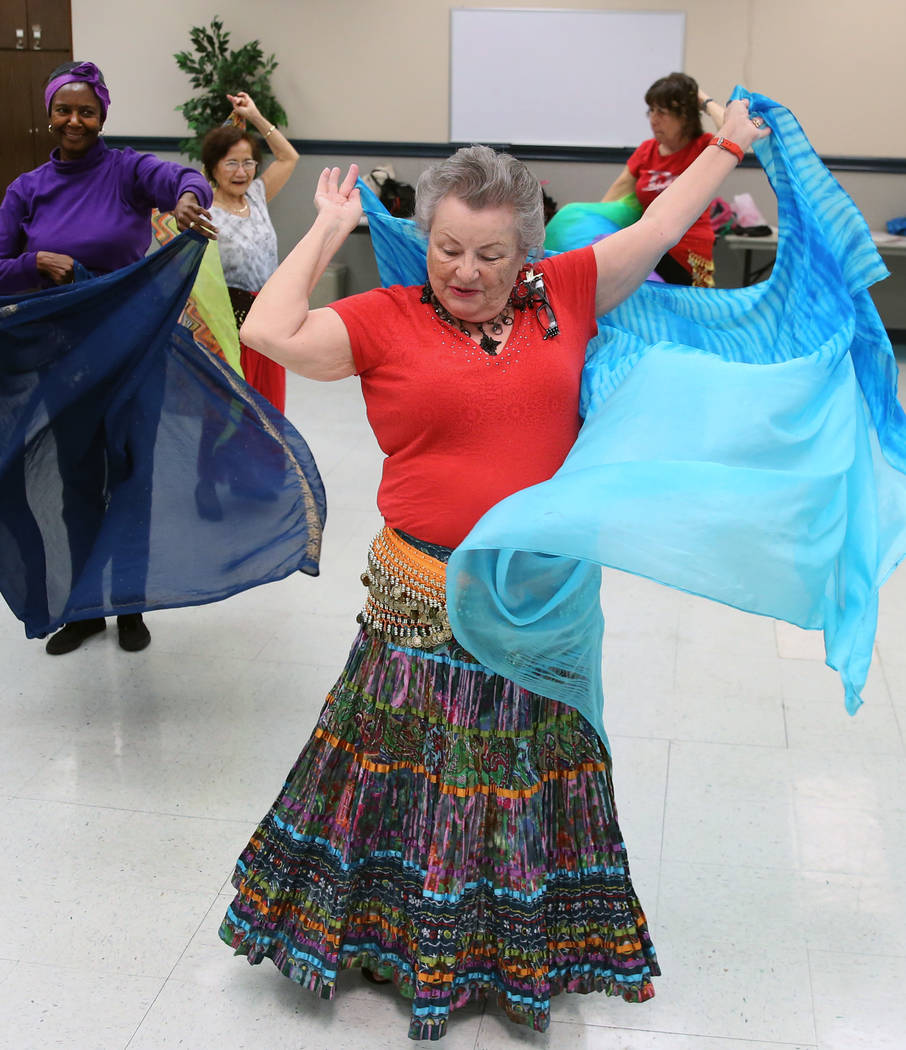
(246,165)
(660,111)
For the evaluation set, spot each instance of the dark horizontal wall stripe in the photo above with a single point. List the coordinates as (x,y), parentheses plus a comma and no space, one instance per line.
(574,154)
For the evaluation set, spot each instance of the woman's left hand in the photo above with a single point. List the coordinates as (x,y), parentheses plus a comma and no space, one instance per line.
(339,202)
(739,127)
(243,106)
(190,215)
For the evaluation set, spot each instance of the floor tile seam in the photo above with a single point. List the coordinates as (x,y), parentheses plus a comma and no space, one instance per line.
(638,736)
(711,795)
(672,738)
(898,750)
(741,1041)
(715,742)
(122,883)
(44,762)
(793,750)
(95,971)
(144,1017)
(170,976)
(817,873)
(476,1045)
(219,748)
(664,802)
(786,722)
(671,859)
(658,900)
(848,954)
(128,809)
(901,723)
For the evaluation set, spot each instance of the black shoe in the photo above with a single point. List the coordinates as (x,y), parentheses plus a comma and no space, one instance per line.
(72,635)
(373,978)
(134,635)
(250,489)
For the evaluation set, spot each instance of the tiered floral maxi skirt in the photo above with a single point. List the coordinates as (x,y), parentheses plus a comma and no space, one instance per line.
(452,832)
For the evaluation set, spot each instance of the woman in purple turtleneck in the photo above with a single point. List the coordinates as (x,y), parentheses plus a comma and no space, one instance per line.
(92,205)
(88,202)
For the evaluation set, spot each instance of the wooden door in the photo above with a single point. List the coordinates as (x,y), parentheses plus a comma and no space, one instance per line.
(13,25)
(15,83)
(49,26)
(35,37)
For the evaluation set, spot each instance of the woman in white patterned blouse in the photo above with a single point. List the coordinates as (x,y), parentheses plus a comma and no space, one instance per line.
(248,244)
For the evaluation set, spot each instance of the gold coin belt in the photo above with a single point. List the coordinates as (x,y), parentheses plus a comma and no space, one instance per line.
(406,602)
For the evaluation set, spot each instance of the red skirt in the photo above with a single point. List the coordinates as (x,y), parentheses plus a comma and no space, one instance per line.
(265,375)
(261,373)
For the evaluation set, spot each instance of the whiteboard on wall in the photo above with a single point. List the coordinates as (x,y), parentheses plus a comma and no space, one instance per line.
(558,78)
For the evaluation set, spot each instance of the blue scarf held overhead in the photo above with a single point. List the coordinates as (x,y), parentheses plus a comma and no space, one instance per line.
(745,445)
(138,471)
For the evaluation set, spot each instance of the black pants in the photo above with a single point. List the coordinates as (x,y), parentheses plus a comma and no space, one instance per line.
(672,271)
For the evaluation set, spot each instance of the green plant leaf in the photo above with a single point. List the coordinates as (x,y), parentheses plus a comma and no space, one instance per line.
(214,70)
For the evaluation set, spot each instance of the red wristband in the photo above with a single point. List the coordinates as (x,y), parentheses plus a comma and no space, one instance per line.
(730,147)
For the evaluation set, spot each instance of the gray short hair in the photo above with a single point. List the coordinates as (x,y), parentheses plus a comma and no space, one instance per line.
(482,178)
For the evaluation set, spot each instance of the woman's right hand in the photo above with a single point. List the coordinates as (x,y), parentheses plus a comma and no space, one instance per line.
(339,201)
(59,268)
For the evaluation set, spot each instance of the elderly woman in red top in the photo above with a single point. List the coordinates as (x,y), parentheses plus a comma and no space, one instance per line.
(445,829)
(675,104)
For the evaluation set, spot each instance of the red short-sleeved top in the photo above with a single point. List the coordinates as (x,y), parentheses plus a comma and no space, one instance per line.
(654,173)
(462,429)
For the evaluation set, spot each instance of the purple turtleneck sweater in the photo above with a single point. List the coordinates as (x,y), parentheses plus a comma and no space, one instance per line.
(96,209)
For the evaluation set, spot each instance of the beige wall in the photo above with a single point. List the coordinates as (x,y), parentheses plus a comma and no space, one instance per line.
(351,69)
(346,73)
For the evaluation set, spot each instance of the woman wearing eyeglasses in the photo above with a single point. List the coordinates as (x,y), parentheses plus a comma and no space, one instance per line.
(248,244)
(675,104)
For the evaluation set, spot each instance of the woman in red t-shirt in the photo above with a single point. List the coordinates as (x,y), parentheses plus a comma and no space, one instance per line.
(444,828)
(675,104)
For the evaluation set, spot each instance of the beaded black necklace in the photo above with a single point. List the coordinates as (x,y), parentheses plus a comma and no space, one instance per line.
(528,292)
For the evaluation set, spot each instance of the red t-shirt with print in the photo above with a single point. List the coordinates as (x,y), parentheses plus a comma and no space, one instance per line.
(654,173)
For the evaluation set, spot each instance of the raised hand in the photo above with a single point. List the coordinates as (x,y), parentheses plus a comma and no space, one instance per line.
(337,200)
(243,106)
(739,127)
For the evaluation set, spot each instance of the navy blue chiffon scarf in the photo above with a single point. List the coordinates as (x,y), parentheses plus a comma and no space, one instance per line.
(137,471)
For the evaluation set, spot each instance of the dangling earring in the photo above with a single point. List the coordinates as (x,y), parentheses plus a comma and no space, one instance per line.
(50,128)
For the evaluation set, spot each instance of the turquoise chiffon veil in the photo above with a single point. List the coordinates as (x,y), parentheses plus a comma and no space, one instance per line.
(745,445)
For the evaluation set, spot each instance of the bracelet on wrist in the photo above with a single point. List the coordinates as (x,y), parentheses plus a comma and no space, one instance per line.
(704,105)
(730,147)
(270,130)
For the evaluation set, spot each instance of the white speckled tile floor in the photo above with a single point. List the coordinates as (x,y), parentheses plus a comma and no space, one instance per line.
(766,827)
